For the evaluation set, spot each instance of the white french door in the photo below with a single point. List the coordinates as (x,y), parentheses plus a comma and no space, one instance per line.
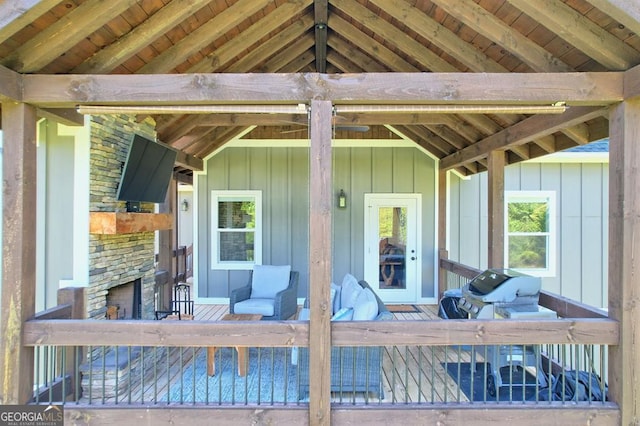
(392,261)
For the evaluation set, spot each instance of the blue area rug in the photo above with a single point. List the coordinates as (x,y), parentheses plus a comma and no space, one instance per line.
(270,379)
(474,385)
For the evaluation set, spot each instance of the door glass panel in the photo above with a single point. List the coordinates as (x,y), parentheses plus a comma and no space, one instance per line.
(392,234)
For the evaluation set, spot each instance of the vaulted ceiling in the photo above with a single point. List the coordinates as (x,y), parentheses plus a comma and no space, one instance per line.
(333,37)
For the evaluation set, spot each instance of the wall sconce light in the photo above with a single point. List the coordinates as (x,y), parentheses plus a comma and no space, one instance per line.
(184,206)
(342,200)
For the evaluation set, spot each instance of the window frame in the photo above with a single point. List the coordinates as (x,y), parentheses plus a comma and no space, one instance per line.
(241,195)
(549,197)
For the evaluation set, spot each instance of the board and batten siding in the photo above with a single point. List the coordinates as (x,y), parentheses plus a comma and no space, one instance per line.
(582,193)
(282,174)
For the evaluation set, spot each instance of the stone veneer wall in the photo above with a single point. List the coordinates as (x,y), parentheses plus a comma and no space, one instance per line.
(116,259)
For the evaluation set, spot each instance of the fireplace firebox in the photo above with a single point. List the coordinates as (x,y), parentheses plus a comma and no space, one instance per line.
(125,301)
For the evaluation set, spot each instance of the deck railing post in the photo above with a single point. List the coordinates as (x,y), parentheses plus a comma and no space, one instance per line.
(18,250)
(320,245)
(624,231)
(74,296)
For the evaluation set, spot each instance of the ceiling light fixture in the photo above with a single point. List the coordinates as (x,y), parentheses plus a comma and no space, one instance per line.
(192,109)
(556,108)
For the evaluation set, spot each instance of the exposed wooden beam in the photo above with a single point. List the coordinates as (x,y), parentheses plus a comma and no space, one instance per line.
(344,64)
(460,126)
(582,33)
(67,116)
(522,132)
(69,30)
(181,128)
(369,45)
(624,11)
(631,83)
(282,42)
(167,17)
(428,140)
(321,16)
(10,85)
(453,138)
(407,88)
(303,61)
(521,151)
(202,36)
(392,34)
(350,58)
(290,55)
(224,57)
(439,35)
(17,14)
(185,160)
(434,144)
(179,134)
(579,133)
(547,143)
(496,30)
(214,140)
(189,161)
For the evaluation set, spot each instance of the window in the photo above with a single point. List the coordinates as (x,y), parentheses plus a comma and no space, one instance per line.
(236,229)
(530,232)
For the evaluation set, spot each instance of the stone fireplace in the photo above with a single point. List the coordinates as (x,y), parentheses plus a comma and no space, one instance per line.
(117,258)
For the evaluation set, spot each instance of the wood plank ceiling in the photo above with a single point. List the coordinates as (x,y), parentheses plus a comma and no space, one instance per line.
(334,36)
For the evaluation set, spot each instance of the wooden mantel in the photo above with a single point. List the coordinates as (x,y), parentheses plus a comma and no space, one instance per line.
(112,223)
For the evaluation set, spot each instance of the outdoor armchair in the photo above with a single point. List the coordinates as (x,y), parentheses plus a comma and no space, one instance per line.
(272,291)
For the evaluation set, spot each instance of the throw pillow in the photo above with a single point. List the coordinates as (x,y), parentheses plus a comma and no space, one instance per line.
(267,280)
(336,298)
(366,307)
(350,291)
(333,292)
(344,314)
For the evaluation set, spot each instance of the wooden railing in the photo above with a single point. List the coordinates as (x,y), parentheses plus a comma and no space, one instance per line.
(593,330)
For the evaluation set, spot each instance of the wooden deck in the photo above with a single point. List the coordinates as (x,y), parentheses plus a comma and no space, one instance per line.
(410,374)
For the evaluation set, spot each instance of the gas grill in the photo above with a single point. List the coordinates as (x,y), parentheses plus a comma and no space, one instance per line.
(495,288)
(505,294)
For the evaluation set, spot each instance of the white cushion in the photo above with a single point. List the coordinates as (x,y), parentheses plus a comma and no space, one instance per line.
(265,307)
(336,299)
(304,314)
(344,314)
(268,280)
(350,291)
(366,307)
(333,292)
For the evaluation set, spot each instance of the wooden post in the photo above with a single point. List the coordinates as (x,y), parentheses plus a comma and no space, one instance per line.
(443,185)
(167,244)
(321,196)
(18,250)
(624,237)
(496,161)
(74,296)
